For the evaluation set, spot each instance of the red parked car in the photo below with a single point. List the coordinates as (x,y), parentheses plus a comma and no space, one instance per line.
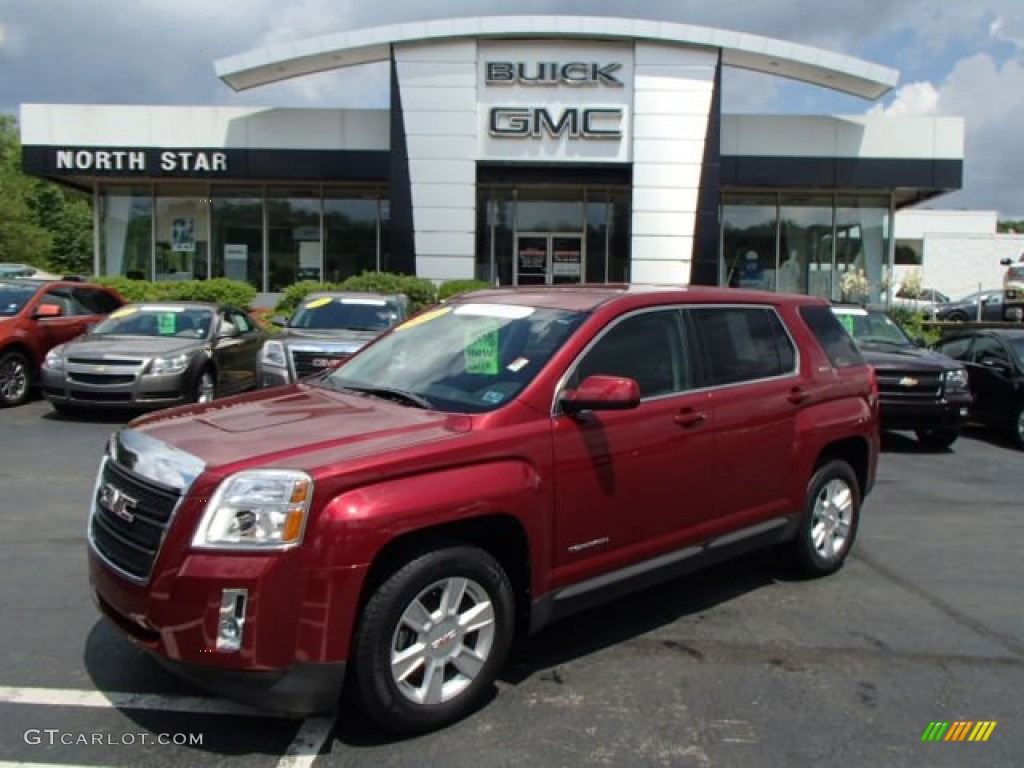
(481,470)
(37,315)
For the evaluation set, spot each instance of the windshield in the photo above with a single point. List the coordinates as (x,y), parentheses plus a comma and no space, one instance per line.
(157,320)
(868,327)
(355,314)
(467,358)
(14,297)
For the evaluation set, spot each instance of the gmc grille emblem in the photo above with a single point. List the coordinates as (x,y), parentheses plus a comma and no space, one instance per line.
(118,503)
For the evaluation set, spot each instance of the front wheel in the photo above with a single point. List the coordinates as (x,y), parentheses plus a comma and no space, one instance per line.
(830,521)
(937,439)
(15,379)
(956,317)
(432,638)
(1017,427)
(205,389)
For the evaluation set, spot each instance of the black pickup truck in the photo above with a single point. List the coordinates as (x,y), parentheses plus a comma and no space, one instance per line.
(920,390)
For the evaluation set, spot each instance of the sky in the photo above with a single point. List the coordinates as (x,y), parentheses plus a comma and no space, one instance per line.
(955,58)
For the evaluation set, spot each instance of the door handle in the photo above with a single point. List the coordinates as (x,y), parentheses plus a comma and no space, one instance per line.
(689,418)
(797,395)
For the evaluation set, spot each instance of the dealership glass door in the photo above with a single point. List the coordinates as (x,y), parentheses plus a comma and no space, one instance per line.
(547,258)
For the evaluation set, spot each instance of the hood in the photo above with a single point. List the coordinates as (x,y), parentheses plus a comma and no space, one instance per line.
(887,357)
(121,347)
(280,425)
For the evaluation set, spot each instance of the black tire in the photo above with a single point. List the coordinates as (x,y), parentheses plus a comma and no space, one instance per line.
(447,650)
(1017,427)
(937,439)
(832,482)
(956,317)
(15,379)
(206,375)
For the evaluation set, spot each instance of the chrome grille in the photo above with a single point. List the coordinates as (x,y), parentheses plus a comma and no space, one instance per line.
(130,517)
(307,363)
(909,385)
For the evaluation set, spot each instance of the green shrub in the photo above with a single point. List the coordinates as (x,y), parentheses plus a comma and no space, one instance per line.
(455,287)
(914,323)
(421,292)
(220,289)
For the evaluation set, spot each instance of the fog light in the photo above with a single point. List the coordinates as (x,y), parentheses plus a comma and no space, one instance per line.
(231,621)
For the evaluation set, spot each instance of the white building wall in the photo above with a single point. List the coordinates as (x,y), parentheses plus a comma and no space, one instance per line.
(958,264)
(673,90)
(438,91)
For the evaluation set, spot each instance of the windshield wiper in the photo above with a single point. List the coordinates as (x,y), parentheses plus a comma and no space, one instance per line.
(391,393)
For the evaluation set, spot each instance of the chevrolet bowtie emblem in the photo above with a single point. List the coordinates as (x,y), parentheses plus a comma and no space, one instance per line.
(908,381)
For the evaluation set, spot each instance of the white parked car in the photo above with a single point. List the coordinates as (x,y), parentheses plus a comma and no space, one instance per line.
(7,269)
(923,300)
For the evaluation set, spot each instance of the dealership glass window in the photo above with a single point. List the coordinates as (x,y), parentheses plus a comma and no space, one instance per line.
(495,260)
(182,231)
(599,213)
(862,251)
(352,231)
(749,240)
(805,244)
(549,209)
(293,236)
(618,237)
(236,227)
(126,231)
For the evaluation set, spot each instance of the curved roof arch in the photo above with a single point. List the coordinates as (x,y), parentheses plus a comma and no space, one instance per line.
(272,64)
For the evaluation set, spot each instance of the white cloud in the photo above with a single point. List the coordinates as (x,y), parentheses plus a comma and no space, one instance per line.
(913,99)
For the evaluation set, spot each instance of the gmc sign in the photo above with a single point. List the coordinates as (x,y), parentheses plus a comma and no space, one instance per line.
(574,122)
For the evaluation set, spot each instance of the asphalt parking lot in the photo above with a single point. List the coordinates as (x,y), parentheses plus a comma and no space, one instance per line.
(737,666)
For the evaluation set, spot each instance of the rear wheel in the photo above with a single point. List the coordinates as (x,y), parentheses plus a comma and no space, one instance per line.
(830,521)
(957,317)
(15,379)
(937,439)
(432,639)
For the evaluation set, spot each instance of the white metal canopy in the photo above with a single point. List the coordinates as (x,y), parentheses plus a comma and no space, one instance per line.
(272,64)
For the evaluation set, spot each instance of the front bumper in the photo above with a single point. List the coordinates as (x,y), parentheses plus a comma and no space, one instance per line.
(949,413)
(125,390)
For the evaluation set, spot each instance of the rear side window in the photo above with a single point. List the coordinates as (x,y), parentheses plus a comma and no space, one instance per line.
(838,345)
(743,343)
(93,301)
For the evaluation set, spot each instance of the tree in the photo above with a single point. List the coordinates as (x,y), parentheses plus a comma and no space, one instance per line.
(41,223)
(22,239)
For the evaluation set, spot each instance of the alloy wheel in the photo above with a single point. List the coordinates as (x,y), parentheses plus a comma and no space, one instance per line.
(832,517)
(13,379)
(442,641)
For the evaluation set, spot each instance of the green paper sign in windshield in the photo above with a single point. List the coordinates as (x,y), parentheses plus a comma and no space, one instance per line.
(166,323)
(847,322)
(482,351)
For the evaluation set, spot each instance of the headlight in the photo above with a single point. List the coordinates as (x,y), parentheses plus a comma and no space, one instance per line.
(164,365)
(257,509)
(956,380)
(55,359)
(273,354)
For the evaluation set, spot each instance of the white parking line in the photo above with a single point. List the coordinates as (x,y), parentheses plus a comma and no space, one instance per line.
(61,697)
(307,743)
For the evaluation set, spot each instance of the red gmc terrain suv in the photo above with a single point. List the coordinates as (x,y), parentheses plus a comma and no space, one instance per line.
(481,470)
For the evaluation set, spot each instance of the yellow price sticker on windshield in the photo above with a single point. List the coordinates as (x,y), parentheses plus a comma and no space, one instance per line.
(321,302)
(124,311)
(426,317)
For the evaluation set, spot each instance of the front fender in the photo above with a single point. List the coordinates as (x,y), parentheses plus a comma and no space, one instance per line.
(349,532)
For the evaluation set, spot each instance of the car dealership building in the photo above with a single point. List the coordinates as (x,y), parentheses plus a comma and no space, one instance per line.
(518,150)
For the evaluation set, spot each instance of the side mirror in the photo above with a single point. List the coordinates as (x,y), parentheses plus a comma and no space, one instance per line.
(279,320)
(228,331)
(48,310)
(601,393)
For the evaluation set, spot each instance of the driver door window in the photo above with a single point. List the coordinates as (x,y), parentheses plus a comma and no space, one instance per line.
(647,347)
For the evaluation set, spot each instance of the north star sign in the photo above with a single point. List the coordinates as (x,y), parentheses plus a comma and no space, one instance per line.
(141,160)
(521,122)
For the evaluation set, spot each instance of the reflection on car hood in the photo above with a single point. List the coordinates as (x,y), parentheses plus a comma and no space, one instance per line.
(114,347)
(884,356)
(281,425)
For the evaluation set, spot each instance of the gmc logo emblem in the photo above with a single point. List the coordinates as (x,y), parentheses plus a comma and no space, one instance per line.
(535,122)
(117,502)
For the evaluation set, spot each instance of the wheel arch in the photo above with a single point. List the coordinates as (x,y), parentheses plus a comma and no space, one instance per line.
(855,452)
